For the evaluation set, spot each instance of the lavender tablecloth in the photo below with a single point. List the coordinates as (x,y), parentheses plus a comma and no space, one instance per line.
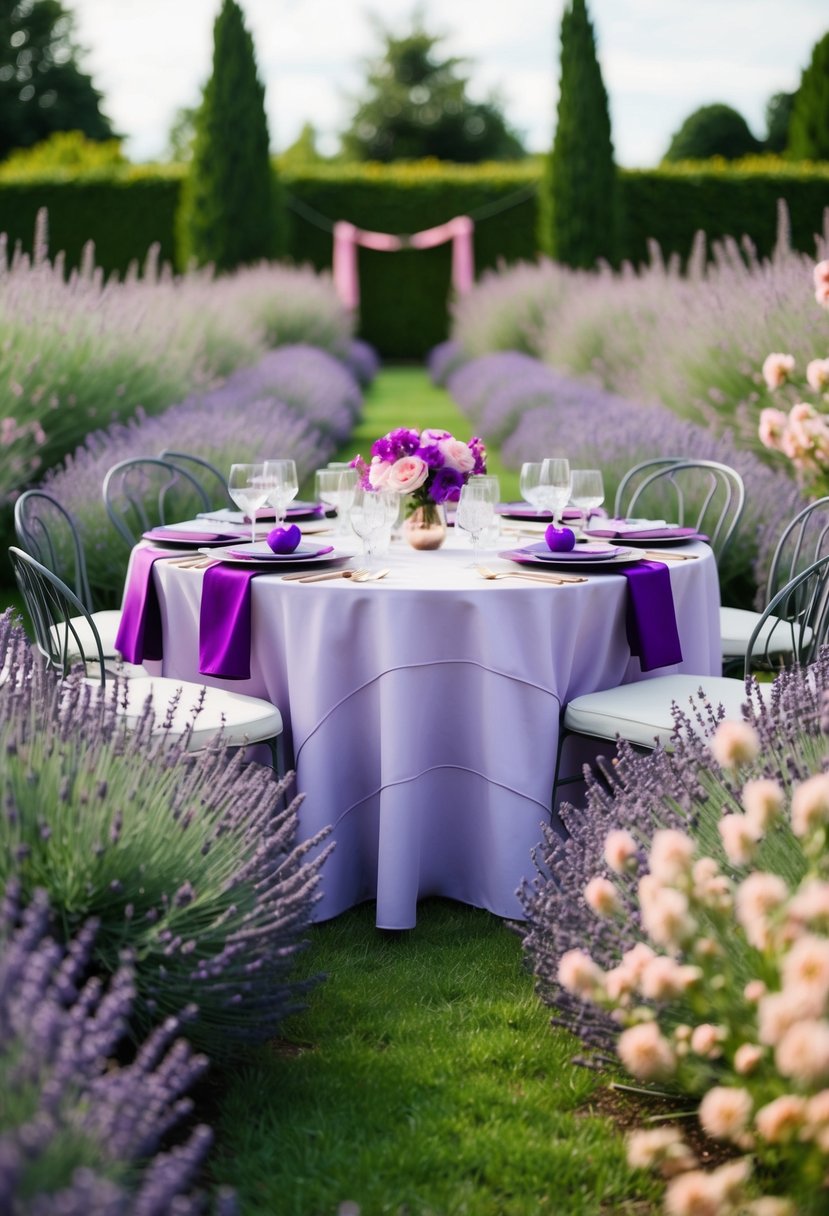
(422,711)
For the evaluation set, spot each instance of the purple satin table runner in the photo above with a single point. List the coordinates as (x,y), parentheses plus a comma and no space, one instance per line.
(225,622)
(650,617)
(139,633)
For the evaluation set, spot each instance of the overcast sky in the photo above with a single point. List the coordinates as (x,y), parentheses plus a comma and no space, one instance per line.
(660,60)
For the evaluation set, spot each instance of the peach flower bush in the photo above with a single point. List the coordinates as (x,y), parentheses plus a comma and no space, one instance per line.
(802,432)
(726,993)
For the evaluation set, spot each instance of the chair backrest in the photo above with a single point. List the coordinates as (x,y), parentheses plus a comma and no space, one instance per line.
(795,623)
(803,541)
(56,613)
(702,494)
(211,479)
(146,491)
(47,531)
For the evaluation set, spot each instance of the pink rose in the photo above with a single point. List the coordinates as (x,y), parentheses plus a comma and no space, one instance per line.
(406,474)
(817,374)
(379,472)
(773,425)
(457,455)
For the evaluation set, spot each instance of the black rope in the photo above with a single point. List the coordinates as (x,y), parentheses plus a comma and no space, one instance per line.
(480,213)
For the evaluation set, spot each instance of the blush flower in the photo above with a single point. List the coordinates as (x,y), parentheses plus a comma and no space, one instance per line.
(739,839)
(602,897)
(762,802)
(807,966)
(457,455)
(407,474)
(671,855)
(735,744)
(777,368)
(810,804)
(724,1112)
(773,425)
(646,1053)
(579,974)
(758,897)
(817,374)
(747,1057)
(707,1040)
(781,1119)
(659,1148)
(619,850)
(803,1052)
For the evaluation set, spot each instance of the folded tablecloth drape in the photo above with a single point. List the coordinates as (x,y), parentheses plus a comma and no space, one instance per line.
(139,633)
(650,616)
(225,621)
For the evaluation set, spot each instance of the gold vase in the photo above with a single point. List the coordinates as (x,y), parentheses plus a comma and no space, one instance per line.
(425,527)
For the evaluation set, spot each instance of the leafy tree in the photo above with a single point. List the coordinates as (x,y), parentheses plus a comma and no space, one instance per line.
(181,135)
(578,201)
(67,152)
(42,88)
(303,151)
(809,126)
(417,107)
(229,210)
(778,116)
(715,130)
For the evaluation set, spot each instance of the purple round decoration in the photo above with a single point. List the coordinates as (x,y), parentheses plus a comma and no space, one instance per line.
(284,540)
(560,540)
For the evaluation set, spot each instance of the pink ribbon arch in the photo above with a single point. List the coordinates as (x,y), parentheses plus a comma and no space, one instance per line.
(347,237)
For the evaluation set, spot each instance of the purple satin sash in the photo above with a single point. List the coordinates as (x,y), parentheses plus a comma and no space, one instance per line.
(225,622)
(139,632)
(650,617)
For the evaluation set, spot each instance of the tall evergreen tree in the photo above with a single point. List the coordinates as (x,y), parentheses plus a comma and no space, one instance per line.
(229,214)
(42,88)
(809,123)
(578,203)
(416,106)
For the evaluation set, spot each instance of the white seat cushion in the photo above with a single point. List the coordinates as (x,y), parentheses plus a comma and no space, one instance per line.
(641,712)
(243,719)
(737,626)
(107,622)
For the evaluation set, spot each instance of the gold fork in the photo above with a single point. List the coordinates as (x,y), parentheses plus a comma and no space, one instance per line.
(539,577)
(369,576)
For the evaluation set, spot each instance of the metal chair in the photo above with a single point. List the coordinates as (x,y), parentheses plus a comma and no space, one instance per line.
(182,709)
(702,494)
(48,532)
(641,713)
(146,491)
(803,541)
(211,479)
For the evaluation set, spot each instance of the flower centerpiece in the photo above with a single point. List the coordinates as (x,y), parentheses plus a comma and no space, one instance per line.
(430,467)
(802,432)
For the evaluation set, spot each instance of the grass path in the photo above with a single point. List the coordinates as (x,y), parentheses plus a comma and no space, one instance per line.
(424,1078)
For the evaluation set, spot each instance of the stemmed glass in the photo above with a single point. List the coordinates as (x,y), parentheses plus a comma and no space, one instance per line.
(587,492)
(335,487)
(247,486)
(475,513)
(530,484)
(492,492)
(555,486)
(371,514)
(283,486)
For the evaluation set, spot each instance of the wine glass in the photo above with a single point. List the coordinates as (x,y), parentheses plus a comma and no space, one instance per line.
(335,487)
(555,486)
(371,513)
(530,483)
(247,486)
(492,490)
(283,486)
(475,513)
(587,492)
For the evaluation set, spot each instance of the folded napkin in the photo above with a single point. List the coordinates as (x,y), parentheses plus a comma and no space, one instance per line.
(650,617)
(225,621)
(139,633)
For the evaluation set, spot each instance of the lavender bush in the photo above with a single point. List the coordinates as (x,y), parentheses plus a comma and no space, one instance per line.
(240,421)
(80,1133)
(444,359)
(80,353)
(363,361)
(692,338)
(540,410)
(189,860)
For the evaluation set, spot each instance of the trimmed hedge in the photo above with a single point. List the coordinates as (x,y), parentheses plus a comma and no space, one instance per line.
(404,308)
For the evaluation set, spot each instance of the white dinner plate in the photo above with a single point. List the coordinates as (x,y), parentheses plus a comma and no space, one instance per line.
(259,554)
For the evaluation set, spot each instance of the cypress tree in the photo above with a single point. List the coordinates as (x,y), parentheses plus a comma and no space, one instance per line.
(809,123)
(229,206)
(578,202)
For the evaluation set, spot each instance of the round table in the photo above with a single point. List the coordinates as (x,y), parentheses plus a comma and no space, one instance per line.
(422,711)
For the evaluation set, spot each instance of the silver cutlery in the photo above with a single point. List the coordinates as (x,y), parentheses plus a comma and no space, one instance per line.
(662,556)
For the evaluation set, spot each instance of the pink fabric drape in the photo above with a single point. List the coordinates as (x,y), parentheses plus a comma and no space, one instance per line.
(347,237)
